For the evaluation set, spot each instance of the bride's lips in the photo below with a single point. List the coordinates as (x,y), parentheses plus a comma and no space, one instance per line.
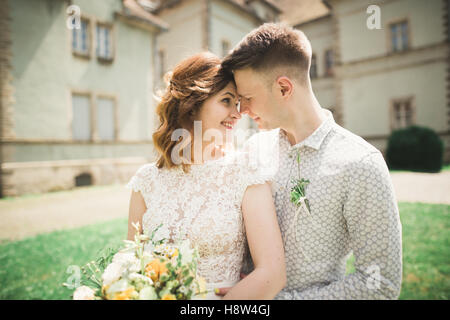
(227,124)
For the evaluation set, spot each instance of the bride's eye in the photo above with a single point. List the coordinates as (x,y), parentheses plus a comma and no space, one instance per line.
(226,101)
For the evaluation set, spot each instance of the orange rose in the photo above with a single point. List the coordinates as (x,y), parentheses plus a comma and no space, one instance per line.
(155,268)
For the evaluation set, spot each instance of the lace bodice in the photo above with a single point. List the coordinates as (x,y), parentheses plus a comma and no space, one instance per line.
(204,206)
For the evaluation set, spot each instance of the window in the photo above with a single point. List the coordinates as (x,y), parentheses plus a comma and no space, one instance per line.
(399,36)
(448,19)
(162,63)
(225,47)
(313,69)
(104,42)
(81,117)
(81,38)
(329,62)
(105,118)
(402,113)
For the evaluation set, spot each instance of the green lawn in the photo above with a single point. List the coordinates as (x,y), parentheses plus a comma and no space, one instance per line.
(426,251)
(35,268)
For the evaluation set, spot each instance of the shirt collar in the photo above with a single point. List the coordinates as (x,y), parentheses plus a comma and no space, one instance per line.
(315,140)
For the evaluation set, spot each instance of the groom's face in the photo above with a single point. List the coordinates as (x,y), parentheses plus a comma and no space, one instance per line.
(256,98)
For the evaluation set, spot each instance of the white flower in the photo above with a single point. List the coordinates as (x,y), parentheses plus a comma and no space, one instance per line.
(147,257)
(186,252)
(112,273)
(84,293)
(118,286)
(122,257)
(139,277)
(148,293)
(127,261)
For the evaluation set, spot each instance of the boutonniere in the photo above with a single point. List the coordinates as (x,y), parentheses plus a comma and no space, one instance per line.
(298,196)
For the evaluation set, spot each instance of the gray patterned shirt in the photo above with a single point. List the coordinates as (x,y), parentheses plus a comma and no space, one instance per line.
(352,209)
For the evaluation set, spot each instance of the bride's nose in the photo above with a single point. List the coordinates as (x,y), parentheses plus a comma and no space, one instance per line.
(235,113)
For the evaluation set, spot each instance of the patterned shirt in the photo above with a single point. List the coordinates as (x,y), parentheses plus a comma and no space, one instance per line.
(352,209)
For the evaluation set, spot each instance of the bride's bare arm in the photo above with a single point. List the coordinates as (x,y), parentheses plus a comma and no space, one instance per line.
(266,247)
(136,211)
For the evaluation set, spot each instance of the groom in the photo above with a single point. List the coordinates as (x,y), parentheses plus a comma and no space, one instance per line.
(352,206)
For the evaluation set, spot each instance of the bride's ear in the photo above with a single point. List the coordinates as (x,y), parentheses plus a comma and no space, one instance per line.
(284,86)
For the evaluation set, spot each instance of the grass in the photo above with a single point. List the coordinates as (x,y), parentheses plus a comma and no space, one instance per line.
(426,251)
(36,267)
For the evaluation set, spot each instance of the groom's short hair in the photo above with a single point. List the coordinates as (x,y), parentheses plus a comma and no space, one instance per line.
(270,46)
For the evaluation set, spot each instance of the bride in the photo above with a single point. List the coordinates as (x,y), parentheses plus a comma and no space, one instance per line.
(221,203)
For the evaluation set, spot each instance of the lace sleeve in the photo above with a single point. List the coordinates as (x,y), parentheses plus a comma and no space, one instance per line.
(141,180)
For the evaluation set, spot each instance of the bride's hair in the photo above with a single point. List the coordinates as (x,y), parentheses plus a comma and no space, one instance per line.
(191,82)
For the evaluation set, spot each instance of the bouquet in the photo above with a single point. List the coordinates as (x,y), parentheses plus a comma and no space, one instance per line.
(144,270)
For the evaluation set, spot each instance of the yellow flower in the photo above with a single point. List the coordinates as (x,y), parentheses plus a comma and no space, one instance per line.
(168,297)
(125,295)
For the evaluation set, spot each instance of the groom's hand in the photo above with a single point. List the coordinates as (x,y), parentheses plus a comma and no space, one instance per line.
(223,291)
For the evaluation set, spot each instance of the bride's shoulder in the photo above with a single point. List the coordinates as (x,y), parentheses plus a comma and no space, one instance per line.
(149,168)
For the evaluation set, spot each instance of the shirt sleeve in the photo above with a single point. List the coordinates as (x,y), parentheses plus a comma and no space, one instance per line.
(373,222)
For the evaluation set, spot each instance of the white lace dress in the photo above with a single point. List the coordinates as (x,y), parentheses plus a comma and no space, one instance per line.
(204,206)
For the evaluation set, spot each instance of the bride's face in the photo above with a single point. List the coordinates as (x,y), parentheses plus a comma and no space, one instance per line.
(220,112)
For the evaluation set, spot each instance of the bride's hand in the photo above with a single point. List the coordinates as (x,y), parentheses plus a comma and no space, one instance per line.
(223,291)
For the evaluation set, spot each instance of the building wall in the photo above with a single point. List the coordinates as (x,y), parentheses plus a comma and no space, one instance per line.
(357,42)
(184,37)
(43,88)
(320,34)
(370,75)
(45,73)
(227,23)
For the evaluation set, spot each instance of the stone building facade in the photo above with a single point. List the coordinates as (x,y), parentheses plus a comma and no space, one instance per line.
(77,107)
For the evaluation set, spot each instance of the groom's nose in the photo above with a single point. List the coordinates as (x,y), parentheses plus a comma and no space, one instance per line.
(244,107)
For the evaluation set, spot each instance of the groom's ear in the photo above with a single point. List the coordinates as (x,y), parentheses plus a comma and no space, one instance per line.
(284,86)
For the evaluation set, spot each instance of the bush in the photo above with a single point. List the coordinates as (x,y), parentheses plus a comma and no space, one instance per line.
(416,149)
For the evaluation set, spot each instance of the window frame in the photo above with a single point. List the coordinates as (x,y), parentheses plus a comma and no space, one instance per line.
(90,96)
(222,42)
(316,74)
(113,98)
(88,53)
(162,63)
(329,72)
(398,22)
(110,26)
(392,113)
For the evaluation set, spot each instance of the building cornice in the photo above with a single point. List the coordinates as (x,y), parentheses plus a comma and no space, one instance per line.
(393,61)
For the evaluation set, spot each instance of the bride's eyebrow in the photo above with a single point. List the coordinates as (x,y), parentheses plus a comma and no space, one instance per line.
(234,97)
